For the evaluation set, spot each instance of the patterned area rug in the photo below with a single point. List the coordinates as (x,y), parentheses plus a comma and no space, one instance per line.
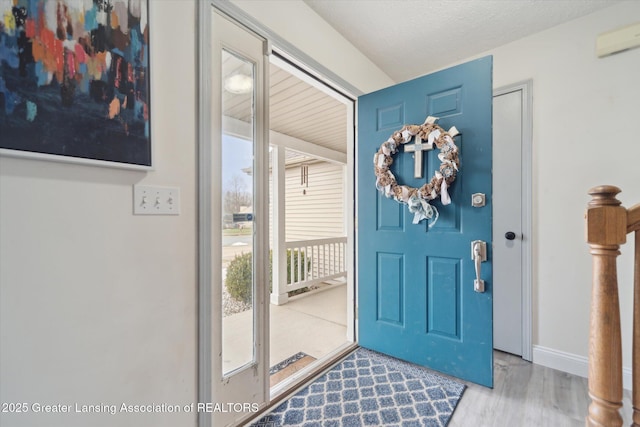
(370,389)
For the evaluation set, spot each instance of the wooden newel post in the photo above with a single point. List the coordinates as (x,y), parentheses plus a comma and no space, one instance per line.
(606,230)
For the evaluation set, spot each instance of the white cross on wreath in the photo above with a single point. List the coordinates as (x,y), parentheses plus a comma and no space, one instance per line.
(417,147)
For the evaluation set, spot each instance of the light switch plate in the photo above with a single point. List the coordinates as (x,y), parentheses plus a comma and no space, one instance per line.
(154,200)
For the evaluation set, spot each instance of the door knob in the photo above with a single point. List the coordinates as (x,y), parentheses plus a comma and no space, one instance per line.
(509,235)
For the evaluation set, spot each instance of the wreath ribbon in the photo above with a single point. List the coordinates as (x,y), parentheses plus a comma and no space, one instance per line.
(418,199)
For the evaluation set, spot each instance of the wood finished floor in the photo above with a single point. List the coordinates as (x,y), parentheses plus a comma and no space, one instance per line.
(525,394)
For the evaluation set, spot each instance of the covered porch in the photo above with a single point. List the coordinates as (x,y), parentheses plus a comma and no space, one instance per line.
(310,220)
(314,323)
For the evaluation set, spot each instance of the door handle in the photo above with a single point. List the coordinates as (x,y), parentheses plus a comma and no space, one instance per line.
(478,255)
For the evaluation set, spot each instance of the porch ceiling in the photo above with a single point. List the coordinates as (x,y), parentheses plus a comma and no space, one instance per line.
(297,109)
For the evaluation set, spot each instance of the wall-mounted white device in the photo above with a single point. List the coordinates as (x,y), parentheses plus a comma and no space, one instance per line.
(618,40)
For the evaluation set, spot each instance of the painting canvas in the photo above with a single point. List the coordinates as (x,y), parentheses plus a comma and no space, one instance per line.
(74,80)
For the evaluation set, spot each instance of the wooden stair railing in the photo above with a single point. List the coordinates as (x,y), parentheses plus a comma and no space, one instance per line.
(607,226)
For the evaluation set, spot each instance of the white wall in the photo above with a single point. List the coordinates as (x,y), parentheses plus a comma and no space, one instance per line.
(585,116)
(98,306)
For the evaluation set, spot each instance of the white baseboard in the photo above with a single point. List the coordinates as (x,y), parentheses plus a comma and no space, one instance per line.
(570,363)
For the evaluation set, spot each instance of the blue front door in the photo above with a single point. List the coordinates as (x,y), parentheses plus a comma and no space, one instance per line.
(416,297)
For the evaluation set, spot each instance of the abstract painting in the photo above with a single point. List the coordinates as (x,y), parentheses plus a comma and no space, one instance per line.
(74,80)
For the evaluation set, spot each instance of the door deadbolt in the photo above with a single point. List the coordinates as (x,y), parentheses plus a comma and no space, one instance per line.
(478,200)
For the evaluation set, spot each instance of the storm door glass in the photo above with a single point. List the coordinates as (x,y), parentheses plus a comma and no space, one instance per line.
(237,202)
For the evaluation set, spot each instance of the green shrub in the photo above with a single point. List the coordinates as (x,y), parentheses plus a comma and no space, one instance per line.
(240,274)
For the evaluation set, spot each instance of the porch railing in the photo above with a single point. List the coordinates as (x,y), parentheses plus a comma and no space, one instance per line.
(307,263)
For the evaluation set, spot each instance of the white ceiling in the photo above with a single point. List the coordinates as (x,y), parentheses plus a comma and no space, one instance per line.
(410,38)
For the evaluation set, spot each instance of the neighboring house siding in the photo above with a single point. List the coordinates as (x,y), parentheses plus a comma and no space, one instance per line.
(320,212)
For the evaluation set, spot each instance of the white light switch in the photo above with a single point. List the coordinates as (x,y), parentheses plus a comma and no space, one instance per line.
(152,200)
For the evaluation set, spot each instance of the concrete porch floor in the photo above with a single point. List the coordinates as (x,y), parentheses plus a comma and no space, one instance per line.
(314,323)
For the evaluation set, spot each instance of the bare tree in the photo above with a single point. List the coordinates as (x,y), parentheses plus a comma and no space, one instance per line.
(236,195)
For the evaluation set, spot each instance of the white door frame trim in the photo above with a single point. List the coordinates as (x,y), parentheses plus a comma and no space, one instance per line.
(204,210)
(323,76)
(211,378)
(527,208)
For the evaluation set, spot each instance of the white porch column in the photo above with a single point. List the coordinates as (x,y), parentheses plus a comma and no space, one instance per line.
(279,283)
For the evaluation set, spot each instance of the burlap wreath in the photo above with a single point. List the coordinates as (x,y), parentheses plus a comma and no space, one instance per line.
(418,198)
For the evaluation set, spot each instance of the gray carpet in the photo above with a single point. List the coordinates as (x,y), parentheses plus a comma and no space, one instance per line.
(370,389)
